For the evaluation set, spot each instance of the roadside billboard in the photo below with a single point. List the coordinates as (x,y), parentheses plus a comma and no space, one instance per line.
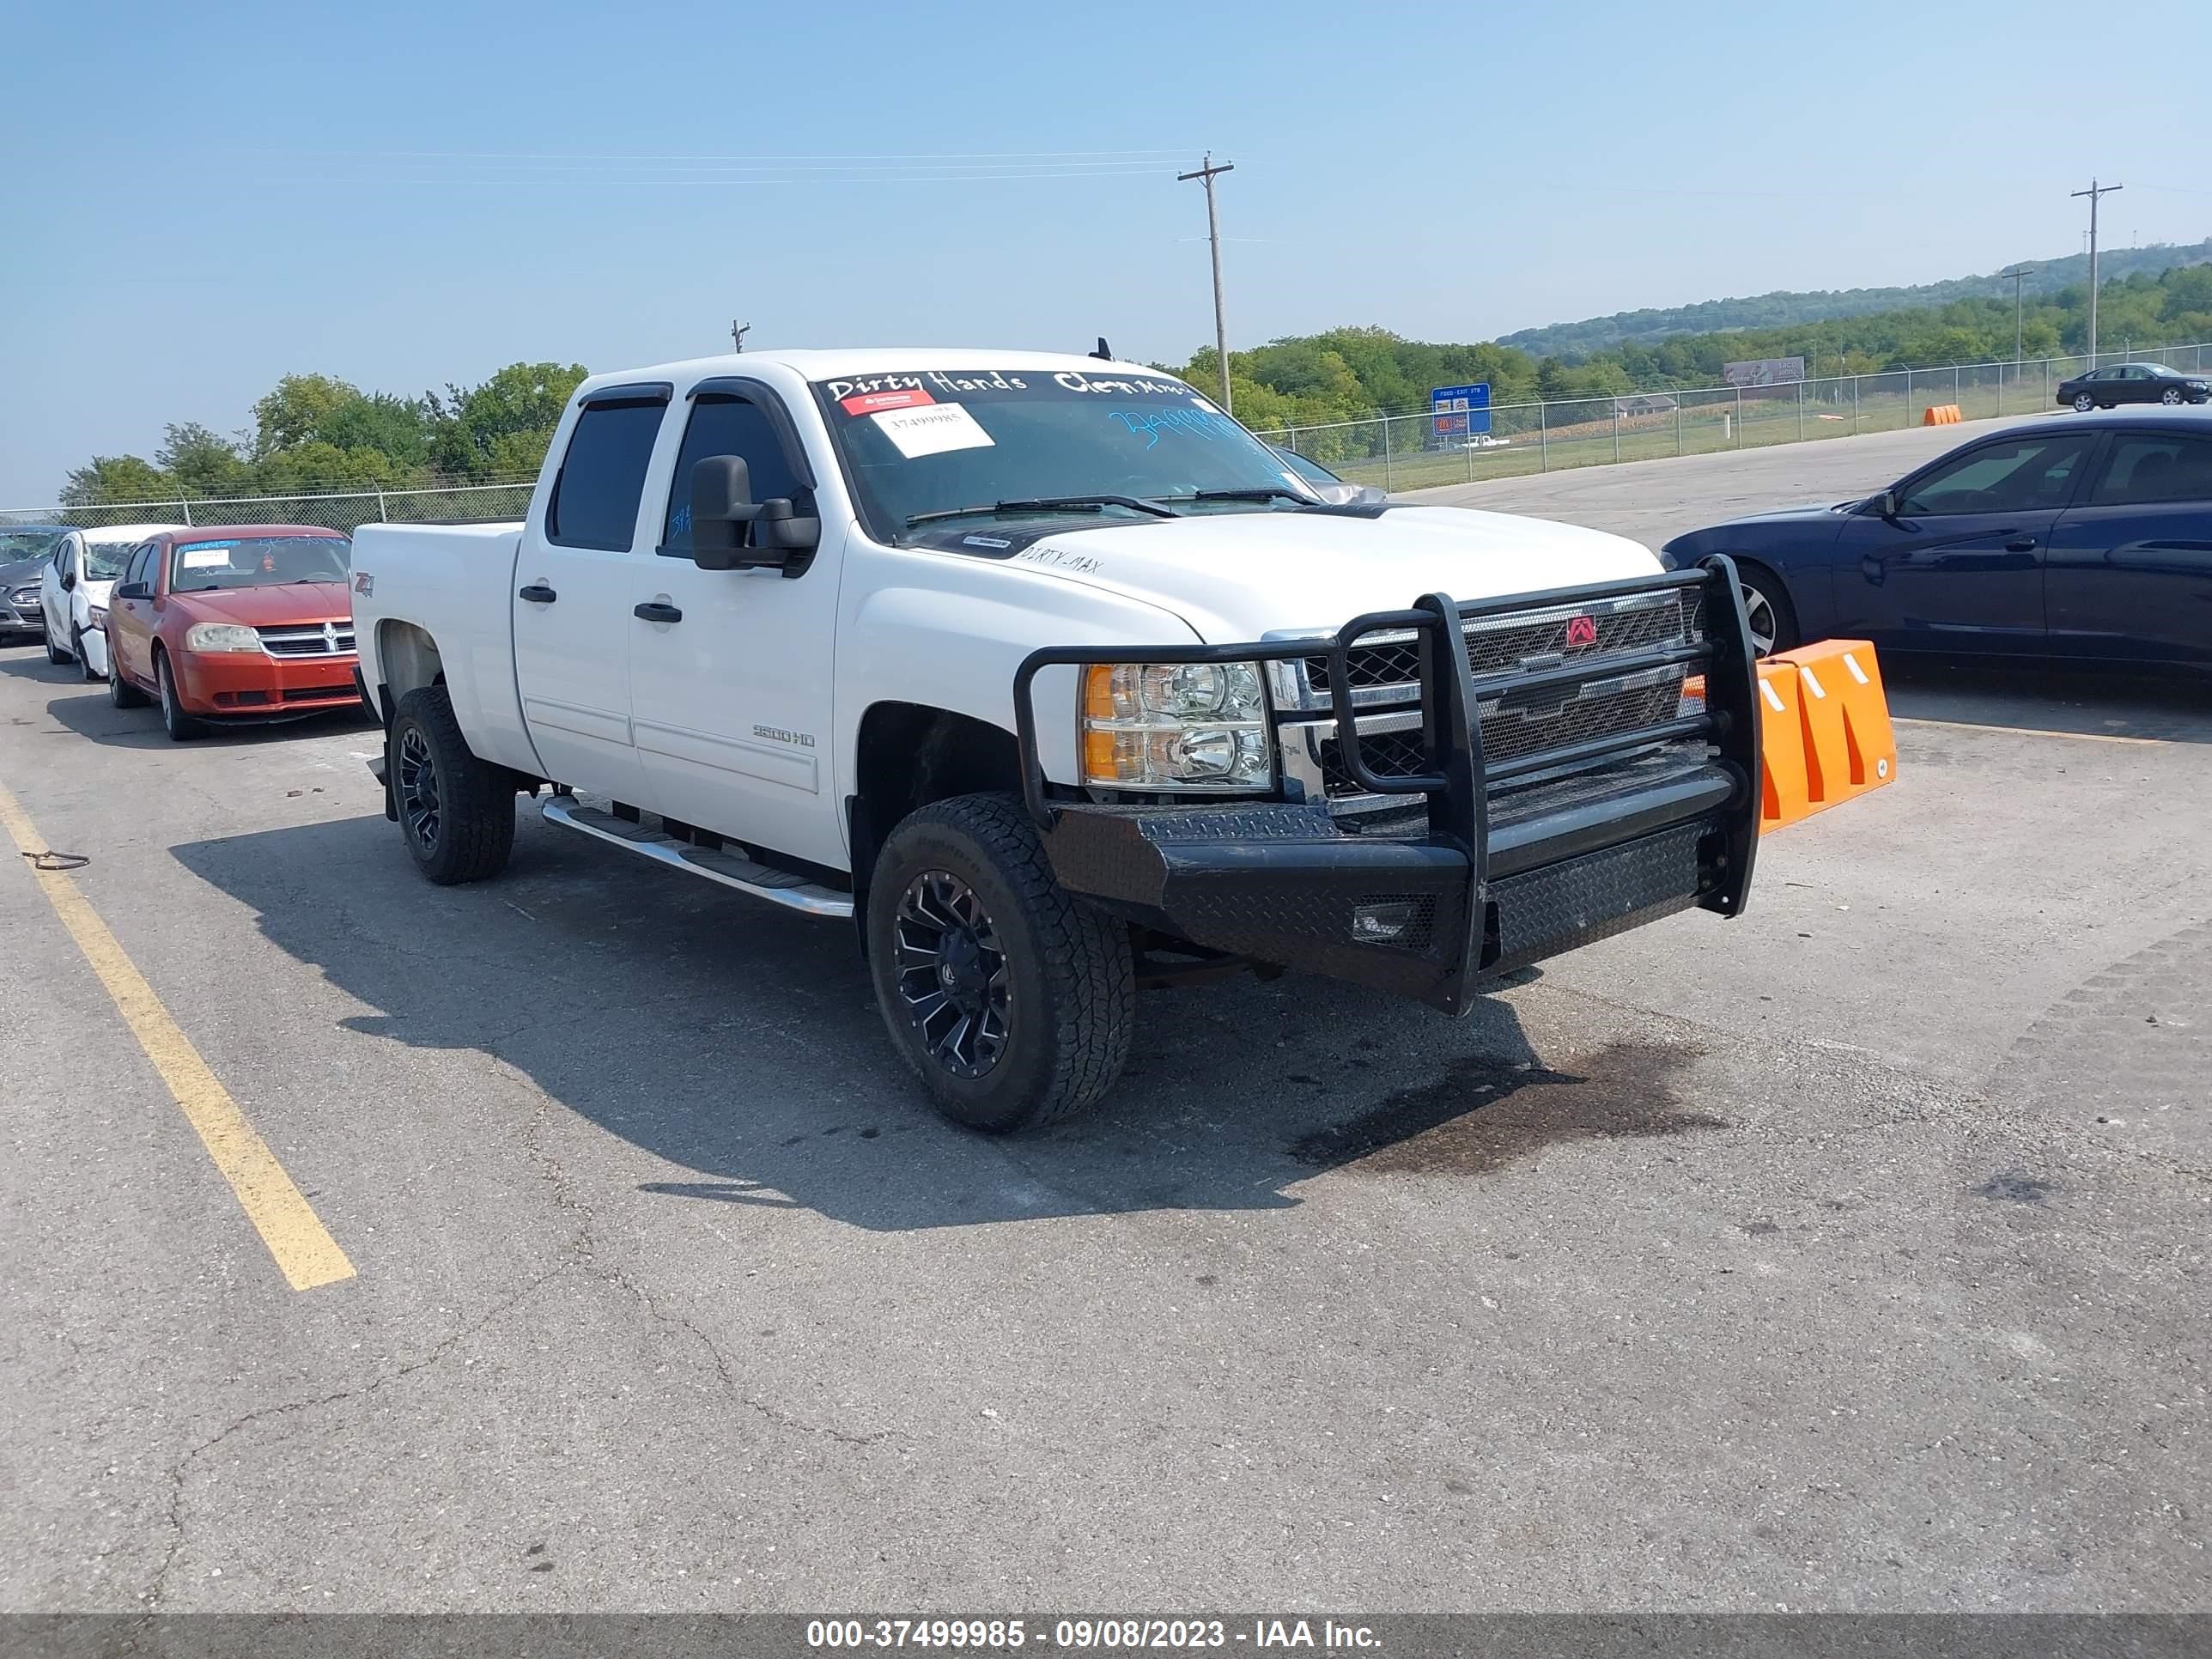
(1460,411)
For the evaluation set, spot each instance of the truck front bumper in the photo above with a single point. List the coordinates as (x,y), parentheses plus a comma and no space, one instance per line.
(1517,860)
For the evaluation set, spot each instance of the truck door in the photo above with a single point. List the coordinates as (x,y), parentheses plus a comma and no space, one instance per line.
(574,577)
(729,670)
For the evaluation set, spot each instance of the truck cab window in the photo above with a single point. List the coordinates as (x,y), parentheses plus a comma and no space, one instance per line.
(602,478)
(723,425)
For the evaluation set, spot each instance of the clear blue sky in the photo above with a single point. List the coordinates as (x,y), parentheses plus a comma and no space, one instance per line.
(199,199)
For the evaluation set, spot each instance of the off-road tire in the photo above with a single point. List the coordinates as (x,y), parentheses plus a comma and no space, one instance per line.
(1073,1002)
(181,727)
(474,812)
(121,694)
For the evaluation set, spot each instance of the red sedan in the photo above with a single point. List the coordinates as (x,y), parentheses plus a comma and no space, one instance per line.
(239,623)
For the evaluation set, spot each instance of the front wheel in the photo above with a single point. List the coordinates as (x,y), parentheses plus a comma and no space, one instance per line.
(182,727)
(83,656)
(456,812)
(2083,401)
(1011,1000)
(2170,397)
(1766,607)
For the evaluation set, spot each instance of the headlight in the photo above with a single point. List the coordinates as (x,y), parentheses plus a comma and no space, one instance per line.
(24,596)
(1175,725)
(221,636)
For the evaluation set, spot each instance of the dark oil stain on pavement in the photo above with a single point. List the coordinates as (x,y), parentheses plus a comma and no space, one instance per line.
(2015,1186)
(1486,1111)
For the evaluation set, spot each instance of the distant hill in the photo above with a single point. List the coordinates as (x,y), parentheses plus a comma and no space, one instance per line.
(1573,343)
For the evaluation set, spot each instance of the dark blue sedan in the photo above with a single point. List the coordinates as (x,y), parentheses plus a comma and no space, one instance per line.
(2088,539)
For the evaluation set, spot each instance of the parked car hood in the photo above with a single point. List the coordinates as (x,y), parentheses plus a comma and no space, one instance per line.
(300,603)
(18,572)
(1239,575)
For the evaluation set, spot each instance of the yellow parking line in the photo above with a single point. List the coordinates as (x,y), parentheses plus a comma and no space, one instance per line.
(288,1227)
(2026,731)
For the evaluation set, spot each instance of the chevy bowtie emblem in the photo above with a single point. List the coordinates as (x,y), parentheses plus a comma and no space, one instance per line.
(331,637)
(1581,630)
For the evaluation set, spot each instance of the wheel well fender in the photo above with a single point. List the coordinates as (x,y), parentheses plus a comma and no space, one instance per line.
(908,755)
(407,660)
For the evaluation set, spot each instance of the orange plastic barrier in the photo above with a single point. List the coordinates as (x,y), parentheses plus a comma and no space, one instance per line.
(1844,743)
(1782,787)
(1941,415)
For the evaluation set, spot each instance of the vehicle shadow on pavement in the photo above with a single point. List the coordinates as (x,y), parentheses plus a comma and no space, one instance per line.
(2173,709)
(739,1044)
(81,707)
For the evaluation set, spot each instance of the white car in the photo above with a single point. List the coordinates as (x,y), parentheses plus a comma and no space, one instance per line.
(1040,673)
(72,591)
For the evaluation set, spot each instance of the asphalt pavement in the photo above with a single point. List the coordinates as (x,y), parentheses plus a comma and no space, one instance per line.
(1847,1255)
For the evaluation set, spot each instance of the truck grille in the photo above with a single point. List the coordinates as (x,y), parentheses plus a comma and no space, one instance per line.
(316,640)
(1500,650)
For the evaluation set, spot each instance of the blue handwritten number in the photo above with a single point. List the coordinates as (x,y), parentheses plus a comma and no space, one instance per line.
(1196,422)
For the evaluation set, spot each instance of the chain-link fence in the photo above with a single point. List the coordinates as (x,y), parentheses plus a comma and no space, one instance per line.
(1407,452)
(1398,452)
(345,510)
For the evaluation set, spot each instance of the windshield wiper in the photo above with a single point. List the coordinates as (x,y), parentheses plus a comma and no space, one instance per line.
(1043,504)
(1256,493)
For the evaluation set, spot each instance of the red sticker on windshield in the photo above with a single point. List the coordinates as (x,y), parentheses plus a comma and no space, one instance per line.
(874,402)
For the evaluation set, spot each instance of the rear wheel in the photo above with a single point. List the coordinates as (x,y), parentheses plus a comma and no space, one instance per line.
(182,727)
(456,811)
(55,654)
(2084,402)
(1011,1000)
(121,694)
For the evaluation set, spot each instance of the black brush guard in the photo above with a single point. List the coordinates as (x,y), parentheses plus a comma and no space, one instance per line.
(1434,915)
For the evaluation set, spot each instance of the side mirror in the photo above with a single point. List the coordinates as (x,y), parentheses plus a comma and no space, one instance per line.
(69,579)
(730,531)
(134,591)
(1886,505)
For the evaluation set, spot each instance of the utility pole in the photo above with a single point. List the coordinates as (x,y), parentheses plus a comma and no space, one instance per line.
(2094,191)
(737,332)
(1206,174)
(2016,272)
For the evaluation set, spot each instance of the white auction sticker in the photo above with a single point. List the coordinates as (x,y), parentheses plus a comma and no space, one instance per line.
(931,430)
(207,558)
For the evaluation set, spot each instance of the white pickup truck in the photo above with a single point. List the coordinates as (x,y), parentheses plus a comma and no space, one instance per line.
(1047,673)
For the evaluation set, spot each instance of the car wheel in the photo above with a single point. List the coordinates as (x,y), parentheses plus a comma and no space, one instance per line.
(2084,402)
(2170,397)
(1012,1001)
(1766,608)
(55,654)
(182,727)
(83,657)
(121,694)
(456,811)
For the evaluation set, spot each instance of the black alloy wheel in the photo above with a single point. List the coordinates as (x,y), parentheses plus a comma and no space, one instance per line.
(952,975)
(421,812)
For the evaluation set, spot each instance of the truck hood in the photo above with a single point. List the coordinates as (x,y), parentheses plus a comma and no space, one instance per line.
(291,604)
(1243,575)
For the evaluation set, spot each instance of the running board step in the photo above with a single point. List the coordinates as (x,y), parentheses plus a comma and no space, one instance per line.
(763,881)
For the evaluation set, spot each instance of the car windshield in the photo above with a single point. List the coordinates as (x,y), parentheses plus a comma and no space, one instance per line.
(17,545)
(104,560)
(1311,471)
(933,445)
(258,561)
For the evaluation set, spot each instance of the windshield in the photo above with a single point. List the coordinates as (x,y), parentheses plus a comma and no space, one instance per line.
(19,545)
(1311,471)
(935,443)
(104,560)
(258,561)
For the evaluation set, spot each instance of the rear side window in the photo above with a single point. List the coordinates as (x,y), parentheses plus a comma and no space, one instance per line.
(2150,467)
(602,478)
(727,425)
